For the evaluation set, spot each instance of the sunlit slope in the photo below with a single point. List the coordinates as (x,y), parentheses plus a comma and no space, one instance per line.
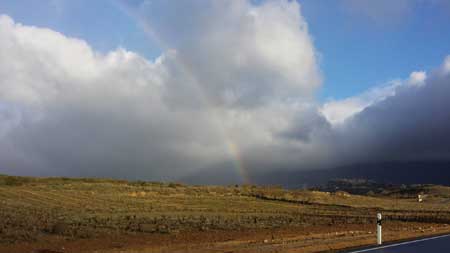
(87,207)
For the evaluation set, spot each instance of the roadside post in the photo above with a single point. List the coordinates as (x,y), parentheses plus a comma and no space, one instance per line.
(379,240)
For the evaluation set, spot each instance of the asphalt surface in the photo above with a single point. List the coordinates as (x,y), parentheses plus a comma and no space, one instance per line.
(426,245)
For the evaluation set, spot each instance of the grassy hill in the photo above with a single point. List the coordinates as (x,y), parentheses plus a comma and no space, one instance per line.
(85,208)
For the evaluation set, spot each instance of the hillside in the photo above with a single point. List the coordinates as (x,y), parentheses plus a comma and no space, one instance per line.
(372,188)
(36,209)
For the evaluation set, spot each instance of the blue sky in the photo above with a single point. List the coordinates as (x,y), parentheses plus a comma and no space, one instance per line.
(357,49)
(101,23)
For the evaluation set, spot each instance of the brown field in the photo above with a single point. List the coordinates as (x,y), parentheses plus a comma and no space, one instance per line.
(101,215)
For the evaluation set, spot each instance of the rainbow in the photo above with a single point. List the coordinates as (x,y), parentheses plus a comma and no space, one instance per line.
(230,146)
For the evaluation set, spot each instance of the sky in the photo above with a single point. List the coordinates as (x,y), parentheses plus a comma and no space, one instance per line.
(153,89)
(360,44)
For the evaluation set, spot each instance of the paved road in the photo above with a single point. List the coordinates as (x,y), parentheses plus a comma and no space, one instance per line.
(428,245)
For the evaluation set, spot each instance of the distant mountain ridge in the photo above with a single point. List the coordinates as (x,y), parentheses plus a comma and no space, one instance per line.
(430,172)
(434,172)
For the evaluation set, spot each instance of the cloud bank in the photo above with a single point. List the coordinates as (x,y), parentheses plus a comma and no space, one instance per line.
(411,125)
(223,89)
(233,91)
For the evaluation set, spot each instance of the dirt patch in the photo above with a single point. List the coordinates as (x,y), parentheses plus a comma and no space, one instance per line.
(307,239)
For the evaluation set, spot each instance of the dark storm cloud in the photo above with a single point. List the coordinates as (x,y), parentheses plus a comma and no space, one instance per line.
(411,125)
(306,125)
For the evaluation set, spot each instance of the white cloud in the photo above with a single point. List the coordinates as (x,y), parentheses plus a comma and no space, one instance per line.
(238,53)
(338,111)
(417,78)
(446,65)
(67,109)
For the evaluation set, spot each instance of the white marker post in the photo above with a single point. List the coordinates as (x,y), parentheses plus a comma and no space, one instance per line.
(379,241)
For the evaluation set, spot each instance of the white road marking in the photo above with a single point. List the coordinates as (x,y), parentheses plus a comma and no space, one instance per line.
(398,244)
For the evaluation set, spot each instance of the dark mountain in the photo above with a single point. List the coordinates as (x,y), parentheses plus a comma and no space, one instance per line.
(435,172)
(396,173)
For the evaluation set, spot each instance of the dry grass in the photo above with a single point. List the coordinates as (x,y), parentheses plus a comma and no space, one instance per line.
(84,208)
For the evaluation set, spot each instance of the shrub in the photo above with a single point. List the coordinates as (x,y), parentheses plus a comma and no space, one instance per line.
(13,181)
